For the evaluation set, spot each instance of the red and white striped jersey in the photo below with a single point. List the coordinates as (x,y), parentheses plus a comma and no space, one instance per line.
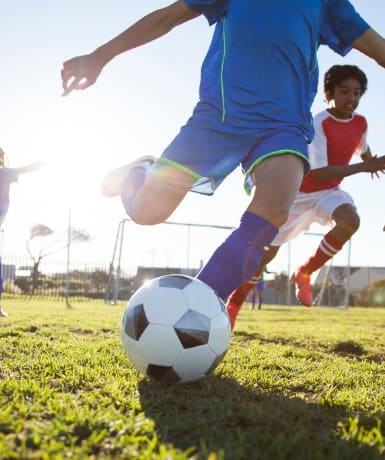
(335,142)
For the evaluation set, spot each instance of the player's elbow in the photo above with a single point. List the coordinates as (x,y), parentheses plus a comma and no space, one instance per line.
(372,44)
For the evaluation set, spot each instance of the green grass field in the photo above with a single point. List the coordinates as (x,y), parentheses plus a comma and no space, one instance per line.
(296,384)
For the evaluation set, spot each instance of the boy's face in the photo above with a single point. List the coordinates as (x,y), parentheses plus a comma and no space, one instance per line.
(345,98)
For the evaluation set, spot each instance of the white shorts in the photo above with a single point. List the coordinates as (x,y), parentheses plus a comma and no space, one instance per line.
(309,208)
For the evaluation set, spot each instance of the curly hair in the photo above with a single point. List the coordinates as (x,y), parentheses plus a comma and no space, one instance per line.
(338,73)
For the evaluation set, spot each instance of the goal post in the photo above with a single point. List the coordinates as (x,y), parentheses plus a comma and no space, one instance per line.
(115,266)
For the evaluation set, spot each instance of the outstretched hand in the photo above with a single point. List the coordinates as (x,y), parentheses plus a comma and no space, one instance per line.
(35,166)
(374,165)
(31,167)
(80,72)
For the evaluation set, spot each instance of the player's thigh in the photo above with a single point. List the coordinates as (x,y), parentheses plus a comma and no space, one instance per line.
(339,206)
(161,194)
(277,180)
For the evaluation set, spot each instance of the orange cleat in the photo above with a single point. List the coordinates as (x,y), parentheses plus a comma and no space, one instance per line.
(302,288)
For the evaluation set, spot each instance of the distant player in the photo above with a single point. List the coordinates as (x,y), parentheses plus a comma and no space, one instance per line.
(257,82)
(340,132)
(258,288)
(7,177)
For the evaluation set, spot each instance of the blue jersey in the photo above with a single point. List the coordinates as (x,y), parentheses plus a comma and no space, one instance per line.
(261,67)
(330,38)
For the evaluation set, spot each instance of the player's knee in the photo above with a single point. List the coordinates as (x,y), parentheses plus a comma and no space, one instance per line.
(143,218)
(279,215)
(353,223)
(348,226)
(148,216)
(347,219)
(140,220)
(275,213)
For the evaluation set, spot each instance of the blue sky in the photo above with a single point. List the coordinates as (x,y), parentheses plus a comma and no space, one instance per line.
(135,108)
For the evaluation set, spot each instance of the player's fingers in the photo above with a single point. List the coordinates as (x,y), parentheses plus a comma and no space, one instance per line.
(85,83)
(66,74)
(382,171)
(68,88)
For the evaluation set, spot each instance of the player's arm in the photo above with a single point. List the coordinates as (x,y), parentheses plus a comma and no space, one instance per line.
(372,164)
(82,71)
(372,44)
(28,168)
(367,155)
(268,271)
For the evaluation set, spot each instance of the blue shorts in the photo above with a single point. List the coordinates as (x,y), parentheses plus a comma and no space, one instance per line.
(209,150)
(260,285)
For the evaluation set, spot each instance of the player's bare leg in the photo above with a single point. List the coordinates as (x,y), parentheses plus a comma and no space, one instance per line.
(260,300)
(238,296)
(277,180)
(150,191)
(347,223)
(160,195)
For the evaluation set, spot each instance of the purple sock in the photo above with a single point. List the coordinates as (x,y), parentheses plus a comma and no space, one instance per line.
(132,184)
(236,260)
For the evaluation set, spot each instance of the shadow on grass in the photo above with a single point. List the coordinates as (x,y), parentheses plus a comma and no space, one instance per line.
(219,415)
(348,348)
(285,309)
(353,349)
(244,335)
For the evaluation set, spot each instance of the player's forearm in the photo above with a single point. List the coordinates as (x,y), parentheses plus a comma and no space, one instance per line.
(147,29)
(337,172)
(28,168)
(373,45)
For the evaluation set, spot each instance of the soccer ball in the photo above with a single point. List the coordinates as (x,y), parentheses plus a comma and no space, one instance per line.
(175,329)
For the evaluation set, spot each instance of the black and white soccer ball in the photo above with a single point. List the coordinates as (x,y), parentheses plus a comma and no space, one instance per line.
(175,329)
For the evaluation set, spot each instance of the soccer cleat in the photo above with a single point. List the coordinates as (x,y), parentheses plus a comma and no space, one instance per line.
(3,313)
(112,184)
(302,288)
(233,310)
